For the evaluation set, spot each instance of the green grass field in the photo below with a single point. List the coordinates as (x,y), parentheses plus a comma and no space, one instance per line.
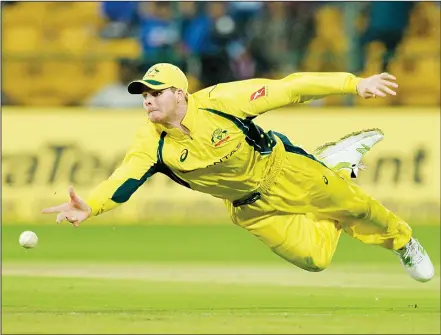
(204,279)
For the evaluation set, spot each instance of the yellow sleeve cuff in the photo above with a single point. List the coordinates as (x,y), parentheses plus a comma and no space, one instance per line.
(350,85)
(95,207)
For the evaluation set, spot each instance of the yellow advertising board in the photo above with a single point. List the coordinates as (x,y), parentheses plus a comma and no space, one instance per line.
(45,151)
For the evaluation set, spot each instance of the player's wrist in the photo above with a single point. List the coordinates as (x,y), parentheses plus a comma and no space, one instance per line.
(93,208)
(351,85)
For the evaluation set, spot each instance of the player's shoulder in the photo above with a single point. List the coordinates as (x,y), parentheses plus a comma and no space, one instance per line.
(221,90)
(146,131)
(205,93)
(229,90)
(146,139)
(217,96)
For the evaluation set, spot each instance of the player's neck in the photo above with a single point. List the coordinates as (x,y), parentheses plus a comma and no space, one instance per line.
(181,111)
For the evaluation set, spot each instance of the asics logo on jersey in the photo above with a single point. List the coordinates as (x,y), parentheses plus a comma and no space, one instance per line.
(184,155)
(258,94)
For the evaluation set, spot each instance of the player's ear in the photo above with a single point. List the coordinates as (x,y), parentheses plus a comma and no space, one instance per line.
(181,96)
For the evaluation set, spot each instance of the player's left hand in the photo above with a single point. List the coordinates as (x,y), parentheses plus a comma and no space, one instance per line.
(379,85)
(75,211)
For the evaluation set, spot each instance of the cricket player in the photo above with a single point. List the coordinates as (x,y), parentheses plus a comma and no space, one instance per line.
(295,202)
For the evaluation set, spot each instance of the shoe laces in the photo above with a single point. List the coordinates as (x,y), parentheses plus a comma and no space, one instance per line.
(413,254)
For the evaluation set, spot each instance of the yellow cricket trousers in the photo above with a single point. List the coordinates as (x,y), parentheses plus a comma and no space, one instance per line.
(301,215)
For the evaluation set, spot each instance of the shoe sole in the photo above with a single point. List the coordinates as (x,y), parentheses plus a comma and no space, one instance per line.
(425,280)
(420,279)
(356,138)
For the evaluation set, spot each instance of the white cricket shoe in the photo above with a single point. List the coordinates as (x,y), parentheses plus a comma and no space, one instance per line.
(416,261)
(347,152)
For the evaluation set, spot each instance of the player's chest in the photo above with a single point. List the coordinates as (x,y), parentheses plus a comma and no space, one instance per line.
(210,143)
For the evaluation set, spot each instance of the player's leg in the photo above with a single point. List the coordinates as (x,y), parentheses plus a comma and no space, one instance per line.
(335,196)
(310,244)
(300,239)
(306,186)
(344,157)
(360,215)
(382,227)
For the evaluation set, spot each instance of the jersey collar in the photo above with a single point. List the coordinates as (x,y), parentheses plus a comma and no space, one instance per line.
(192,109)
(188,121)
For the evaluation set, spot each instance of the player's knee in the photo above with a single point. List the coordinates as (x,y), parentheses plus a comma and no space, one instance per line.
(314,269)
(358,210)
(316,264)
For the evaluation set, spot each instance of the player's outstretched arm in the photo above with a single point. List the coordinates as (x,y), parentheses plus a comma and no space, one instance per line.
(138,165)
(253,97)
(75,211)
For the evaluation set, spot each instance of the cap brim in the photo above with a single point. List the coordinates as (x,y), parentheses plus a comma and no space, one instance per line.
(139,86)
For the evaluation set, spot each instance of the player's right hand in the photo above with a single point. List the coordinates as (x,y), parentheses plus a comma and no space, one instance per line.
(75,211)
(379,85)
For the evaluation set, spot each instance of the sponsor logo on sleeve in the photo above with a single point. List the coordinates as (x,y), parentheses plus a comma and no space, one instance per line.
(259,93)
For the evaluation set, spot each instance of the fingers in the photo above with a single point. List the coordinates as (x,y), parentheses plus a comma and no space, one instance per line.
(387,90)
(77,201)
(388,83)
(368,94)
(386,75)
(385,83)
(72,194)
(378,93)
(65,216)
(75,222)
(381,89)
(65,206)
(69,217)
(53,209)
(60,217)
(380,85)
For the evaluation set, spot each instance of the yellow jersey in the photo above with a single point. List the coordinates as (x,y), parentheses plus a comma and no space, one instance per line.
(225,154)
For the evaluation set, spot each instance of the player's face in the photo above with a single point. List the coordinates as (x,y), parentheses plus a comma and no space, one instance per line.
(160,105)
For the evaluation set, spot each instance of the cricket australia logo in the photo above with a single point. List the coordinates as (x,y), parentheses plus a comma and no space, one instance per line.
(152,72)
(219,136)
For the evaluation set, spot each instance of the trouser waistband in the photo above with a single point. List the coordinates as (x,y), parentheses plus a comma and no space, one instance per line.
(276,164)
